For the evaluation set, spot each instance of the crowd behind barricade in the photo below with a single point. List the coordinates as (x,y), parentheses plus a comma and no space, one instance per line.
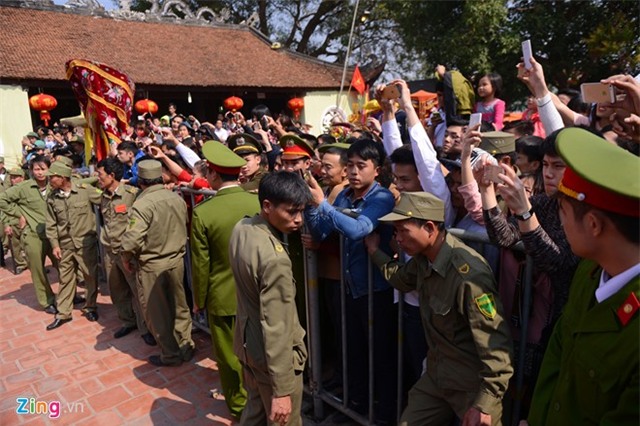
(374,202)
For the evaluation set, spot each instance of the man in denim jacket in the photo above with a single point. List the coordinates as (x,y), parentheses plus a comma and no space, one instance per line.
(355,214)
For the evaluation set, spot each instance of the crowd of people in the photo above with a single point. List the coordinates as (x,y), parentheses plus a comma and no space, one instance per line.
(563,181)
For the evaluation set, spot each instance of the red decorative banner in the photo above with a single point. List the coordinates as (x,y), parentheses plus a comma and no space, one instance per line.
(106,99)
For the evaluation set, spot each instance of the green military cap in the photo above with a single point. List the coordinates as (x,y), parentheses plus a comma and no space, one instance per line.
(417,205)
(59,169)
(39,144)
(64,160)
(149,169)
(244,143)
(32,135)
(222,159)
(498,142)
(293,146)
(339,145)
(16,171)
(599,173)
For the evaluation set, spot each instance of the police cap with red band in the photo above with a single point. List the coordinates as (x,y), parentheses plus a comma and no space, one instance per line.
(599,173)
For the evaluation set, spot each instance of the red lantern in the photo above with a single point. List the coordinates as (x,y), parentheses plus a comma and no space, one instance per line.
(296,105)
(233,103)
(145,105)
(43,103)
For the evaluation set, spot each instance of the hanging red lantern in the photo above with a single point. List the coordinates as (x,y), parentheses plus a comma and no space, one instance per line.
(233,103)
(43,103)
(145,105)
(296,105)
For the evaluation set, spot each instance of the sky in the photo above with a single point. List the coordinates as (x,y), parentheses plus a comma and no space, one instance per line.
(107,4)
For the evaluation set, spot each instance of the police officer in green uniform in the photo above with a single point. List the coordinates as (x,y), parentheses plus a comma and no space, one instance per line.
(26,202)
(269,340)
(115,205)
(589,374)
(213,285)
(11,228)
(71,230)
(469,357)
(155,242)
(250,149)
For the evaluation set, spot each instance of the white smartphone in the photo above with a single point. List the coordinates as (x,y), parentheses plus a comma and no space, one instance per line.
(597,93)
(475,119)
(527,54)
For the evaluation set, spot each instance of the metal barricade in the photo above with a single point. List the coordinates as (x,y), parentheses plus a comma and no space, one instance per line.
(315,388)
(340,403)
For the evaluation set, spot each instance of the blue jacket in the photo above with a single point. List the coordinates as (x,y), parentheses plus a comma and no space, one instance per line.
(359,219)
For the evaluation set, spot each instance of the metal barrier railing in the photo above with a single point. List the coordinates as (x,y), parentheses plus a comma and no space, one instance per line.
(315,388)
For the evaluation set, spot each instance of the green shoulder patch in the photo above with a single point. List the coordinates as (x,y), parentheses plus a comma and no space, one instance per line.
(486,305)
(132,222)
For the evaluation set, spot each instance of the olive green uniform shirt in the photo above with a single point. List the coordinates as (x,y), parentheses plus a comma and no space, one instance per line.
(211,225)
(25,199)
(589,375)
(115,208)
(254,183)
(469,342)
(157,230)
(71,222)
(268,334)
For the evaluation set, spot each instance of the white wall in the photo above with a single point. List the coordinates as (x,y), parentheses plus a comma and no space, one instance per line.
(316,104)
(15,122)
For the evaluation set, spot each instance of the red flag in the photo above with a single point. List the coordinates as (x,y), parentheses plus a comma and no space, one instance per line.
(106,98)
(357,82)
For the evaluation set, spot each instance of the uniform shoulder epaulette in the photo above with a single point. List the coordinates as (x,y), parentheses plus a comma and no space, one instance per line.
(132,189)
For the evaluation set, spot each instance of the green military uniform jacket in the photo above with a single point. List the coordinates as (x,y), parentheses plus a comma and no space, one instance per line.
(211,225)
(268,335)
(254,183)
(115,210)
(157,230)
(469,341)
(71,222)
(589,374)
(25,199)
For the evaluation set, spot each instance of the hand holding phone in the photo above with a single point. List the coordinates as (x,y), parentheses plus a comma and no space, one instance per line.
(527,54)
(391,92)
(597,93)
(491,173)
(475,119)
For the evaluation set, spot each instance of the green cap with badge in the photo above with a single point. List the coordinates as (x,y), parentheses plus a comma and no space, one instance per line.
(498,142)
(327,146)
(149,169)
(294,147)
(32,135)
(222,159)
(417,205)
(64,160)
(37,145)
(59,169)
(244,143)
(16,171)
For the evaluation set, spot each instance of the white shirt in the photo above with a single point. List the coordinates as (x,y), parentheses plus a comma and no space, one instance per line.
(611,285)
(222,134)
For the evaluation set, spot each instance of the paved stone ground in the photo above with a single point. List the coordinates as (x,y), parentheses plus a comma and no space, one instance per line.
(98,380)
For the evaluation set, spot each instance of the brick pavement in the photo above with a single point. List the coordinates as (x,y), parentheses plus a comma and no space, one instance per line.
(98,380)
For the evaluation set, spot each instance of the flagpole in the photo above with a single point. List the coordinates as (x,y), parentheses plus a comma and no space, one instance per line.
(346,60)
